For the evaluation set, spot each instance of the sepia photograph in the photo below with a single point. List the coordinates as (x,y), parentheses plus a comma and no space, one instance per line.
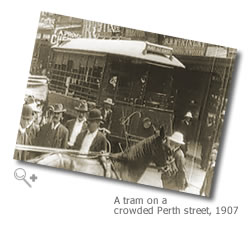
(125,104)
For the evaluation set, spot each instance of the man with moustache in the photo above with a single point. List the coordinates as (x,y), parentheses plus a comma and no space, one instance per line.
(54,134)
(77,125)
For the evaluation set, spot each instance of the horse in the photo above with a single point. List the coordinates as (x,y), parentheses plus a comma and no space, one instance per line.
(128,165)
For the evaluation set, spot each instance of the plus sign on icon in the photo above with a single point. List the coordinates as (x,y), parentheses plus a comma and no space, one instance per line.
(33,177)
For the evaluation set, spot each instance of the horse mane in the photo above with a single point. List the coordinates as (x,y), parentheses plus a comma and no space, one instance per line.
(139,149)
(132,163)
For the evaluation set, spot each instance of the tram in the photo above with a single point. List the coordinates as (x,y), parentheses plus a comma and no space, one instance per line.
(137,75)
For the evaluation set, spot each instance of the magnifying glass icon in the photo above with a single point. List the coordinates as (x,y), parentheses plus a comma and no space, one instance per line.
(20,174)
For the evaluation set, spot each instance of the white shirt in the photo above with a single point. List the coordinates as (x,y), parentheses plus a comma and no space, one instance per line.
(105,113)
(87,141)
(76,130)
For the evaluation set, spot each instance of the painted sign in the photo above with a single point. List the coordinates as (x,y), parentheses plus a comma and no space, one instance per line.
(93,29)
(158,49)
(63,36)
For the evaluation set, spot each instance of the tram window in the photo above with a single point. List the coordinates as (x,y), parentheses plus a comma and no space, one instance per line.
(58,61)
(90,70)
(125,86)
(81,70)
(76,63)
(98,66)
(69,65)
(96,71)
(99,61)
(57,66)
(129,76)
(81,73)
(158,89)
(124,81)
(64,62)
(63,67)
(83,63)
(90,64)
(65,59)
(155,83)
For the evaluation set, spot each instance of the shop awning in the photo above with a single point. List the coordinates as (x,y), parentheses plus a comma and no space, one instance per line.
(37,86)
(149,52)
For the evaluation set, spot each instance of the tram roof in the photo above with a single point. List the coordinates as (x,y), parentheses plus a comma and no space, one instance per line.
(149,52)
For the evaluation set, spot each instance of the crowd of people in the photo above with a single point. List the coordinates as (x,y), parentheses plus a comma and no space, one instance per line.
(87,133)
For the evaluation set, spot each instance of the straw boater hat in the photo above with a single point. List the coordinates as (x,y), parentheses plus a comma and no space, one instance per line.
(58,108)
(91,105)
(95,115)
(83,107)
(108,101)
(189,114)
(27,112)
(177,137)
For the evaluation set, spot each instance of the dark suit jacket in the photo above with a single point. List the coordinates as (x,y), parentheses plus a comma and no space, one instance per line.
(107,119)
(98,144)
(50,138)
(70,125)
(29,137)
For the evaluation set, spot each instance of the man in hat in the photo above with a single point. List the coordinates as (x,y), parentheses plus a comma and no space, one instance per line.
(206,137)
(91,140)
(175,177)
(47,115)
(27,131)
(77,125)
(147,128)
(106,113)
(206,186)
(36,114)
(54,134)
(184,126)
